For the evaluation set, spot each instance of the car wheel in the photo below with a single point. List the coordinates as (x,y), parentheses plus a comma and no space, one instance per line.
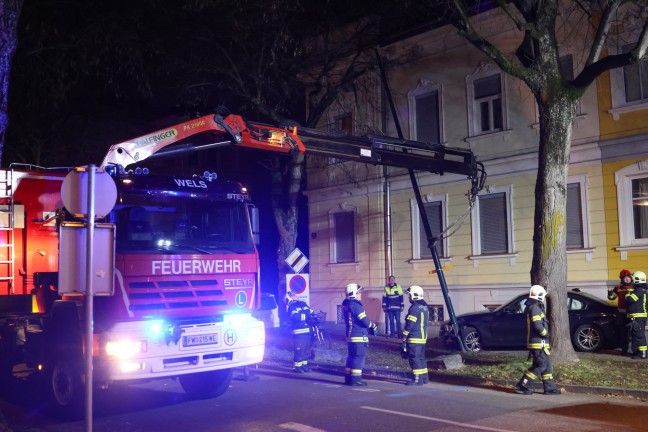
(588,338)
(471,339)
(206,385)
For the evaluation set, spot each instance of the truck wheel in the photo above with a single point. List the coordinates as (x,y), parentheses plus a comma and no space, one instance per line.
(206,385)
(66,391)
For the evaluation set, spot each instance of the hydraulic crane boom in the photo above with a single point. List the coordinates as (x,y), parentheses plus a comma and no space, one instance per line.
(232,129)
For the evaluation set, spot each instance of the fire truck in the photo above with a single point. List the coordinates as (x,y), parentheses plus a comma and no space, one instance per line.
(186,268)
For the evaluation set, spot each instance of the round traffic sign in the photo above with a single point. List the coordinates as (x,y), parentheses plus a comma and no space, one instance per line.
(297,284)
(74,193)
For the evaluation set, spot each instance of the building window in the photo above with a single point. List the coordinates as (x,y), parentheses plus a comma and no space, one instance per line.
(343,124)
(435,208)
(492,222)
(635,79)
(343,240)
(632,196)
(425,113)
(488,110)
(577,214)
(437,315)
(640,207)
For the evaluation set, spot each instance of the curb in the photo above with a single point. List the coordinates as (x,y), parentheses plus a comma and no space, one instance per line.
(466,380)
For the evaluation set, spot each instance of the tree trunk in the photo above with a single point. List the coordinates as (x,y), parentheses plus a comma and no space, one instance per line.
(549,267)
(284,204)
(9,15)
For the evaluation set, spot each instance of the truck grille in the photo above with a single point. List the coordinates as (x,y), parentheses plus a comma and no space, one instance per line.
(179,294)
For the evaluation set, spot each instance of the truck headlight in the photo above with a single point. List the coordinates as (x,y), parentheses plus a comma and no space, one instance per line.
(125,348)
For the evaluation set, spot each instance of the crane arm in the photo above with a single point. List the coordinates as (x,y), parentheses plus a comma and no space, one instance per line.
(234,130)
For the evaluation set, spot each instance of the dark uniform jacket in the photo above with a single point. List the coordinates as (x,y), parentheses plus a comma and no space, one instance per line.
(620,292)
(416,322)
(356,320)
(636,302)
(393,298)
(299,313)
(537,325)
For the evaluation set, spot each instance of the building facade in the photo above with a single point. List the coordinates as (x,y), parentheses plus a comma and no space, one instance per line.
(363,219)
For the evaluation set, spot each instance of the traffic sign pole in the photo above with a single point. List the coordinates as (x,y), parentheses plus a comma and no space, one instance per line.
(89,296)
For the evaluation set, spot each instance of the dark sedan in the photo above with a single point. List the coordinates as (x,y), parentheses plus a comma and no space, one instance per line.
(591,321)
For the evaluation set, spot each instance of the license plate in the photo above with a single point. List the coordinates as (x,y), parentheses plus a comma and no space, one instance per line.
(206,339)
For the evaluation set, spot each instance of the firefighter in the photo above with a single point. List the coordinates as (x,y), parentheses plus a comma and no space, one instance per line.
(636,302)
(538,344)
(619,293)
(415,335)
(358,327)
(298,313)
(393,305)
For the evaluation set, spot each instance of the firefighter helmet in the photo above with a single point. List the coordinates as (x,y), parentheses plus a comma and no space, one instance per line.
(352,290)
(415,292)
(625,273)
(537,292)
(639,277)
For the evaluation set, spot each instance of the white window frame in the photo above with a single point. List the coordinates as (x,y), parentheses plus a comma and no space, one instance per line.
(417,226)
(476,225)
(483,71)
(584,199)
(623,180)
(343,208)
(424,88)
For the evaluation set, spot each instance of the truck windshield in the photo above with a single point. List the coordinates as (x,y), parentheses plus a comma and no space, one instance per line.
(179,225)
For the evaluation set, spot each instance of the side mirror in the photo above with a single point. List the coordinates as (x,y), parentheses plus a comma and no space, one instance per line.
(256,225)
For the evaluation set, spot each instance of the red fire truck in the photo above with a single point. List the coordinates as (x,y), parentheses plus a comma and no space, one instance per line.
(186,269)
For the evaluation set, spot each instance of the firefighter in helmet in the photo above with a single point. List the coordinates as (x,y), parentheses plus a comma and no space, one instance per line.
(538,344)
(637,315)
(415,335)
(358,327)
(619,294)
(298,313)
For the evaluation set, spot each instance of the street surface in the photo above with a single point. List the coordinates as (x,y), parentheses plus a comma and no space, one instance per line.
(282,401)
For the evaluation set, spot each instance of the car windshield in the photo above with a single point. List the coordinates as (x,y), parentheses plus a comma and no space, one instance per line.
(514,306)
(178,225)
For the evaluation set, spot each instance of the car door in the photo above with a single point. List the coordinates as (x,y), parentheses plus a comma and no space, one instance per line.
(508,327)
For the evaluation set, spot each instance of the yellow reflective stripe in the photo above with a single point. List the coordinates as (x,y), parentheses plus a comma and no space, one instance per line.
(530,375)
(638,315)
(362,315)
(546,377)
(537,345)
(420,371)
(411,318)
(301,331)
(633,296)
(416,340)
(358,339)
(406,332)
(536,318)
(543,332)
(356,372)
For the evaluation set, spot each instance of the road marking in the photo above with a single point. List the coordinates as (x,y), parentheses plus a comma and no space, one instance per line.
(399,394)
(450,422)
(331,385)
(368,390)
(299,427)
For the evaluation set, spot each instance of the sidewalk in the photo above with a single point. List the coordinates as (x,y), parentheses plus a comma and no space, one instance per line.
(333,363)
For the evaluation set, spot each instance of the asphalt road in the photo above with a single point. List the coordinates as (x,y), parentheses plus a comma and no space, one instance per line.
(282,401)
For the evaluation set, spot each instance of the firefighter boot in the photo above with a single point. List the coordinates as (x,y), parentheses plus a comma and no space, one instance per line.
(418,380)
(641,355)
(347,379)
(550,387)
(356,381)
(298,370)
(305,368)
(521,386)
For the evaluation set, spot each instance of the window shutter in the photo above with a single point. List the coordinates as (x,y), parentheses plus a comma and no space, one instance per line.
(493,223)
(345,237)
(434,216)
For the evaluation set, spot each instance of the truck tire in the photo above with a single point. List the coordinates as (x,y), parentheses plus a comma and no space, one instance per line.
(66,390)
(206,385)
